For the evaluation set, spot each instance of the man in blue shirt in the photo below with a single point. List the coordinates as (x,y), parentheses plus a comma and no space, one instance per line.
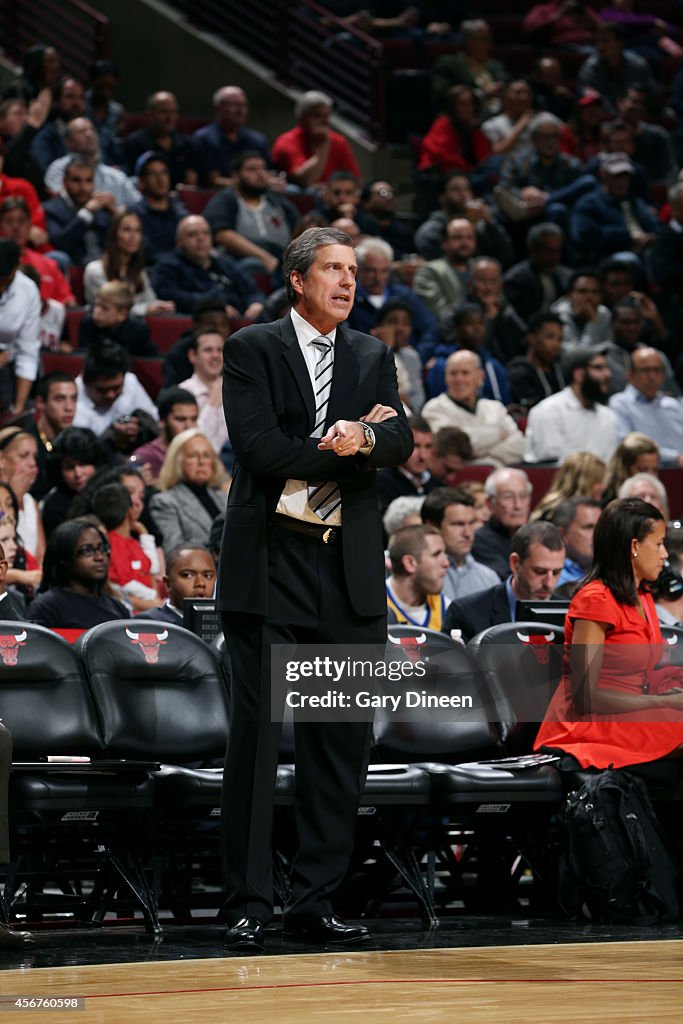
(218,143)
(576,519)
(644,408)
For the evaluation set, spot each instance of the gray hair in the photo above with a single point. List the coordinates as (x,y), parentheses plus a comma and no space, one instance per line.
(300,253)
(470,27)
(545,120)
(626,489)
(369,245)
(493,479)
(538,232)
(308,100)
(398,511)
(79,161)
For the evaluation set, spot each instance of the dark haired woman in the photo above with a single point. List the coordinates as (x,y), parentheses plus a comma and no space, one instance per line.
(76,455)
(613,707)
(455,142)
(75,571)
(124,260)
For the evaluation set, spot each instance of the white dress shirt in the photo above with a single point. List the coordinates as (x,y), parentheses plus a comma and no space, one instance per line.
(131,398)
(211,419)
(560,425)
(20,326)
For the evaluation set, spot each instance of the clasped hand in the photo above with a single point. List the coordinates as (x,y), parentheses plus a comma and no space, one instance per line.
(346,437)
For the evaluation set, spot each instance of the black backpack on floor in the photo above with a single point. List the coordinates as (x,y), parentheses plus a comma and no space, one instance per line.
(615,867)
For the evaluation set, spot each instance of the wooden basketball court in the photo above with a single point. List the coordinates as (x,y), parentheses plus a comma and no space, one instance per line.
(577,983)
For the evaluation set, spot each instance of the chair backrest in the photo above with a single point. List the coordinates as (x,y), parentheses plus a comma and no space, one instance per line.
(159,691)
(166,330)
(45,700)
(433,721)
(673,645)
(522,662)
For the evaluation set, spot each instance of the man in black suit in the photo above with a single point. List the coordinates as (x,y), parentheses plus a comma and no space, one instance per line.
(536,562)
(534,284)
(78,220)
(301,561)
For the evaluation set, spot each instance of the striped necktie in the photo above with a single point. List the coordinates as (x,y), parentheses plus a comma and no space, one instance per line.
(324,499)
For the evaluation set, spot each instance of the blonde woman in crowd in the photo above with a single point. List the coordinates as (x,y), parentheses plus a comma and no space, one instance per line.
(637,453)
(582,474)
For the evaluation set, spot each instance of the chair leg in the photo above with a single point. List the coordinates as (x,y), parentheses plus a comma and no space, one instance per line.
(402,856)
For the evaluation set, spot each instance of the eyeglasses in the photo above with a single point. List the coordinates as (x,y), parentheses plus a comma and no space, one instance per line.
(383,193)
(88,550)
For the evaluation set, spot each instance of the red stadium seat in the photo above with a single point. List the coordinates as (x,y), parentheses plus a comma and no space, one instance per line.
(150,373)
(195,199)
(166,330)
(73,323)
(76,282)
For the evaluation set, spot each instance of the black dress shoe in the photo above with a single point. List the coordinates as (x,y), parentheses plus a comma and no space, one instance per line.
(325,929)
(13,940)
(246,934)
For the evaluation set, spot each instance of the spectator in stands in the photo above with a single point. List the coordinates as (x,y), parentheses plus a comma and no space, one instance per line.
(550,91)
(252,223)
(209,312)
(562,23)
(394,325)
(178,411)
(455,142)
(206,356)
(124,260)
(482,511)
(403,511)
(643,407)
(509,131)
(585,321)
(192,272)
(312,151)
(52,317)
(612,70)
(41,69)
(191,496)
(541,182)
(110,320)
(191,575)
(494,435)
(106,113)
(472,66)
(534,284)
(158,210)
(377,217)
(15,224)
(413,477)
(81,139)
(667,258)
(218,143)
(646,34)
(133,562)
(587,125)
(576,418)
(648,488)
(653,148)
(75,457)
(69,102)
(19,126)
(538,374)
(19,188)
(535,563)
(24,573)
(73,590)
(441,283)
(339,196)
(11,610)
(161,136)
(508,493)
(667,589)
(19,469)
(629,333)
(576,519)
(637,453)
(580,474)
(55,398)
(464,327)
(418,567)
(19,323)
(78,218)
(618,283)
(457,200)
(375,288)
(107,391)
(451,511)
(505,329)
(452,448)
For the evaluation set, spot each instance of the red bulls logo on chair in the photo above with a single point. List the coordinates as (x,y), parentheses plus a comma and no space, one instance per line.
(412,645)
(9,647)
(539,643)
(149,643)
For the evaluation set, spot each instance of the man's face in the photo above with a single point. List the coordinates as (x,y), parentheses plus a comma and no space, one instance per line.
(374,273)
(457,530)
(627,327)
(183,416)
(456,195)
(317,119)
(446,467)
(647,374)
(617,285)
(486,282)
(163,114)
(423,446)
(232,108)
(193,575)
(586,291)
(325,296)
(512,502)
(401,321)
(460,242)
(631,107)
(382,198)
(597,378)
(253,176)
(547,142)
(79,184)
(207,360)
(463,379)
(535,577)
(517,98)
(13,119)
(194,240)
(216,318)
(155,180)
(546,342)
(16,225)
(59,408)
(343,195)
(579,535)
(548,254)
(430,568)
(81,137)
(104,391)
(472,331)
(71,103)
(617,185)
(622,141)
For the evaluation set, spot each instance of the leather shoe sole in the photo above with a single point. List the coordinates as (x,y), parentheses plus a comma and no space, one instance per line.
(325,930)
(245,934)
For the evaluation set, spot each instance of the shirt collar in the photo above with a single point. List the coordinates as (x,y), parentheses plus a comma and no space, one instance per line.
(512,598)
(307,333)
(634,395)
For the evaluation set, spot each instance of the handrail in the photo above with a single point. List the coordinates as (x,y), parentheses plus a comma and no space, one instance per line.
(80,33)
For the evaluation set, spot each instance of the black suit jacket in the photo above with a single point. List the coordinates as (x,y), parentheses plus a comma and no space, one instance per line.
(270,411)
(478,611)
(524,290)
(67,230)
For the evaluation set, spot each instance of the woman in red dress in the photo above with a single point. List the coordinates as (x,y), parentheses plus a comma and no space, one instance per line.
(613,706)
(455,142)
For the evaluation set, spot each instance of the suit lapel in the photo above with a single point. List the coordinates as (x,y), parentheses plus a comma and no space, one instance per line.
(344,379)
(297,364)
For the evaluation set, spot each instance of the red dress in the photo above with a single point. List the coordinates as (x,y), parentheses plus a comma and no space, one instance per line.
(633,647)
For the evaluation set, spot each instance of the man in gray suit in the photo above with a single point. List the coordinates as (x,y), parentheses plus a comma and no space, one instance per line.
(441,283)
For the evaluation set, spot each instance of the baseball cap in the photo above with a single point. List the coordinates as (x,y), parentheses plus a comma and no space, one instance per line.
(589,96)
(146,158)
(616,163)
